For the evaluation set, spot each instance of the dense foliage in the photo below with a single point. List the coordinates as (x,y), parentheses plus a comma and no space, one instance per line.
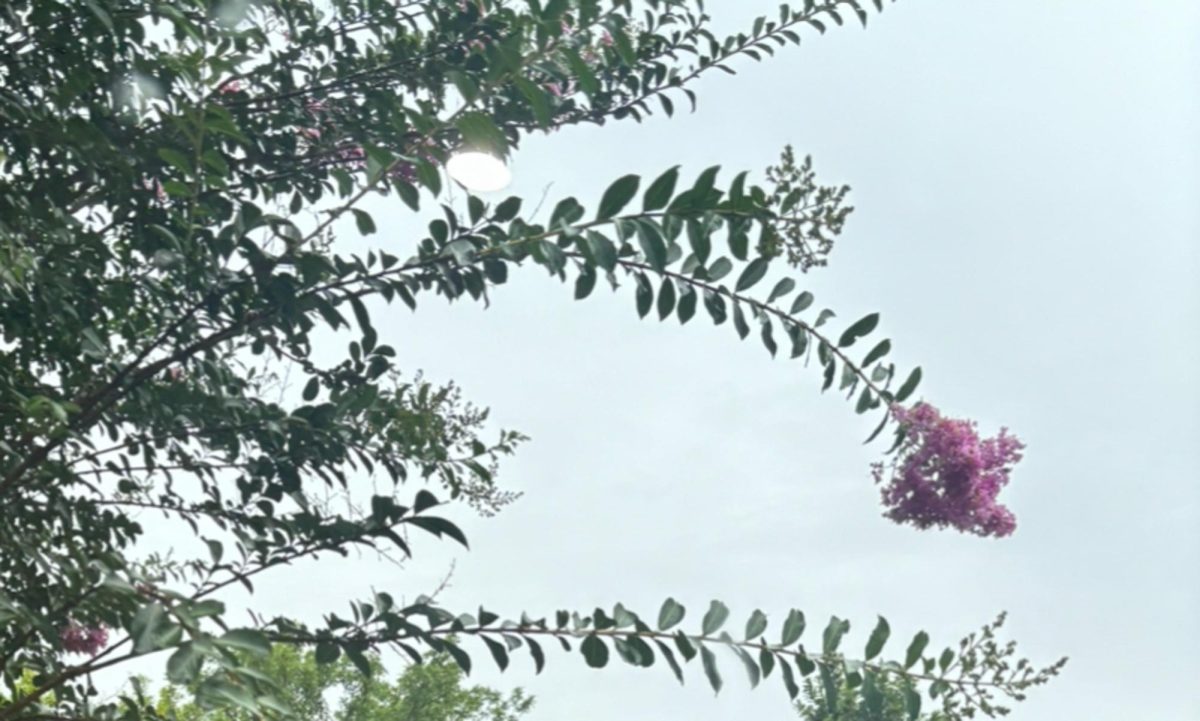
(171,176)
(430,691)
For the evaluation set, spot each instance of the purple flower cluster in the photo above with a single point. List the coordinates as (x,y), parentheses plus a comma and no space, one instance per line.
(945,475)
(77,638)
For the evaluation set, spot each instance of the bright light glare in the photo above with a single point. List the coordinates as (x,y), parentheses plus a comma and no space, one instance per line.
(479,172)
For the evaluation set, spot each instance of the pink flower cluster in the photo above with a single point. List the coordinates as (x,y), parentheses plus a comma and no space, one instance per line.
(77,638)
(945,475)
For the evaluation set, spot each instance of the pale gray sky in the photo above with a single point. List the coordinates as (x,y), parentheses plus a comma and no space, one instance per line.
(1025,175)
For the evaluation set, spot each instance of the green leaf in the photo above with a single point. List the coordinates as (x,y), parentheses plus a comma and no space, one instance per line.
(715,305)
(710,668)
(582,72)
(670,614)
(915,649)
(246,639)
(879,351)
(480,132)
(669,655)
(499,653)
(802,302)
(793,628)
(465,85)
(312,388)
(865,401)
(799,339)
(704,182)
(666,299)
(585,282)
(146,627)
(752,274)
(756,625)
(782,288)
(327,652)
(566,212)
(100,13)
(595,652)
(184,665)
(872,695)
(700,241)
(833,634)
(719,269)
(830,688)
(767,338)
(789,679)
(715,618)
(805,664)
(539,99)
(858,330)
(617,196)
(751,667)
(364,221)
(539,656)
(739,321)
(660,191)
(685,646)
(879,636)
(652,246)
(912,703)
(644,295)
(495,270)
(507,210)
(766,660)
(602,250)
(909,385)
(359,659)
(175,159)
(460,657)
(686,307)
(634,651)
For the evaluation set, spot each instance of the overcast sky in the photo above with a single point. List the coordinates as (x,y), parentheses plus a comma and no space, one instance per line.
(1025,177)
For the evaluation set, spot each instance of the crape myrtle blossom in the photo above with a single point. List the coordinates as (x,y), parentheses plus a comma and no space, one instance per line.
(77,638)
(944,474)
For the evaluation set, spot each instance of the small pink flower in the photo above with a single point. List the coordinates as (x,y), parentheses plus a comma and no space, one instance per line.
(315,107)
(310,134)
(77,638)
(606,39)
(404,171)
(560,90)
(477,45)
(160,194)
(353,156)
(175,374)
(230,86)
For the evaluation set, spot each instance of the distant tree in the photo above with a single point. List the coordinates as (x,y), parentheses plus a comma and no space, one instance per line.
(433,690)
